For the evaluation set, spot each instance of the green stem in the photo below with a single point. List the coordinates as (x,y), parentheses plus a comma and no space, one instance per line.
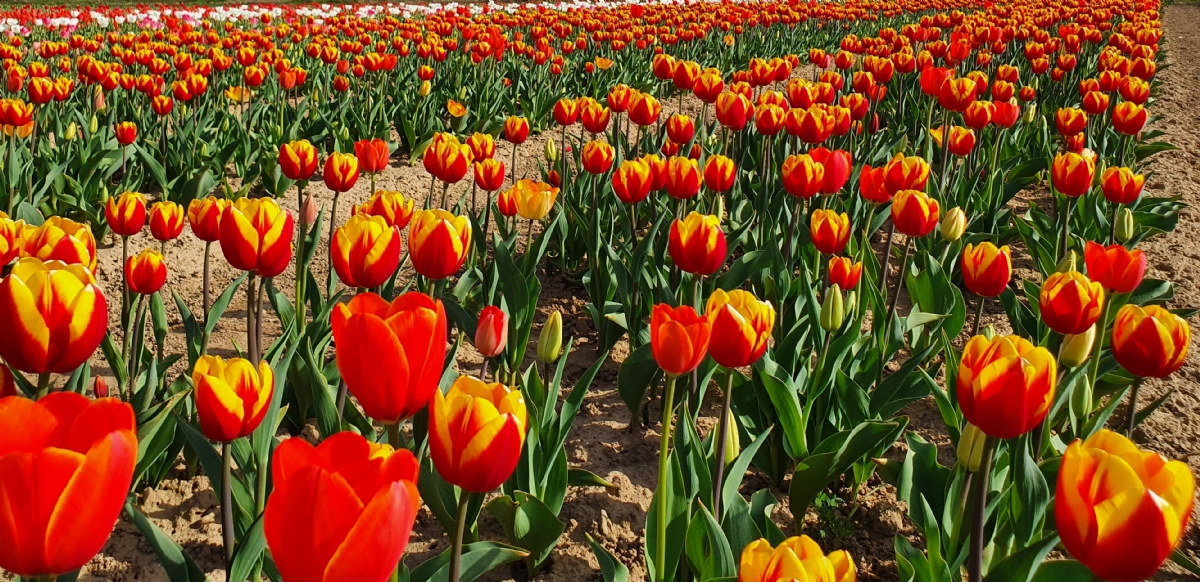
(668,410)
(460,528)
(1131,418)
(887,324)
(722,438)
(301,270)
(978,315)
(43,386)
(227,506)
(393,435)
(124,279)
(979,510)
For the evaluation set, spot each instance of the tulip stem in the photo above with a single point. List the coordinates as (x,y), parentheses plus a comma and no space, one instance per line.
(1098,346)
(722,438)
(978,315)
(460,527)
(1131,419)
(251,332)
(887,324)
(332,226)
(887,259)
(43,386)
(227,506)
(979,510)
(124,280)
(668,412)
(204,292)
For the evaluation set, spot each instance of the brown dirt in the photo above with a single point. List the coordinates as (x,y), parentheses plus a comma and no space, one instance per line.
(186,509)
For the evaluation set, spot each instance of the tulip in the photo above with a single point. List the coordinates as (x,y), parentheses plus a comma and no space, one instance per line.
(1072,173)
(1069,302)
(953,224)
(803,176)
(393,207)
(914,213)
(365,251)
(566,111)
(482,146)
(1121,511)
(11,234)
(1125,228)
(534,200)
(901,173)
(833,311)
(166,220)
(145,272)
(256,235)
(697,244)
(506,203)
(204,215)
(830,231)
(1076,348)
(741,326)
(447,159)
(8,385)
(734,110)
(597,157)
(644,109)
(986,269)
(55,316)
(66,464)
(341,172)
(680,128)
(550,339)
(298,160)
(1070,121)
(476,433)
(978,114)
(1005,385)
(679,338)
(372,155)
(619,97)
(683,178)
(837,165)
(489,174)
(390,356)
(1114,267)
(232,397)
(871,186)
(438,242)
(491,333)
(631,181)
(969,452)
(796,558)
(844,273)
(595,118)
(516,129)
(126,214)
(126,132)
(1129,118)
(1149,342)
(363,494)
(768,119)
(720,173)
(61,239)
(1121,185)
(957,94)
(813,125)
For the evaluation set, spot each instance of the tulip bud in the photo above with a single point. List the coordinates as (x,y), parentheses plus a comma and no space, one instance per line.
(345,135)
(954,224)
(204,150)
(1030,112)
(72,131)
(851,302)
(551,151)
(100,388)
(833,311)
(1125,226)
(733,440)
(1076,348)
(225,125)
(1067,264)
(1081,397)
(550,340)
(491,334)
(308,211)
(988,332)
(719,212)
(425,89)
(104,195)
(970,447)
(94,125)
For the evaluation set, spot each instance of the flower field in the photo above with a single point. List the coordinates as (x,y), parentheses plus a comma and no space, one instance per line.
(629,291)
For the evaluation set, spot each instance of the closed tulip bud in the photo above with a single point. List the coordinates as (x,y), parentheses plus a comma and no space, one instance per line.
(1030,112)
(298,160)
(1082,397)
(1149,342)
(365,251)
(550,151)
(54,316)
(1125,226)
(833,311)
(67,465)
(256,235)
(550,340)
(986,269)
(438,243)
(369,487)
(1005,385)
(491,334)
(425,88)
(126,215)
(733,440)
(308,210)
(476,433)
(741,327)
(792,560)
(145,272)
(72,132)
(166,220)
(953,225)
(232,396)
(970,448)
(1070,302)
(1076,348)
(988,332)
(1067,263)
(99,387)
(1119,510)
(93,125)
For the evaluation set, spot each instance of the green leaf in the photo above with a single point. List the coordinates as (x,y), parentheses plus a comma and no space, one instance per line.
(179,566)
(672,493)
(733,479)
(477,559)
(836,455)
(1021,566)
(1062,571)
(221,304)
(611,569)
(528,524)
(1183,561)
(1031,499)
(585,478)
(707,549)
(249,551)
(637,372)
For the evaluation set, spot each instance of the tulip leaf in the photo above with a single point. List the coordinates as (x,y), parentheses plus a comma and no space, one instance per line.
(112,354)
(738,525)
(249,551)
(708,550)
(151,164)
(221,304)
(901,386)
(179,566)
(922,477)
(677,522)
(786,406)
(733,478)
(637,373)
(762,504)
(836,455)
(611,569)
(528,524)
(1062,571)
(1024,564)
(742,268)
(326,409)
(1032,496)
(191,330)
(1183,561)
(585,478)
(477,559)
(210,460)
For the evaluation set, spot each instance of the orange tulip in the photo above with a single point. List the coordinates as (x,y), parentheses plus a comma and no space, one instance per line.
(914,213)
(986,269)
(1150,341)
(438,243)
(830,231)
(719,173)
(644,109)
(491,333)
(1005,385)
(1129,118)
(516,129)
(901,173)
(534,200)
(476,433)
(489,174)
(566,111)
(232,397)
(390,356)
(962,140)
(66,464)
(1114,267)
(803,177)
(365,496)
(871,186)
(298,160)
(844,272)
(680,128)
(145,273)
(979,114)
(1070,302)
(679,338)
(741,327)
(204,214)
(365,251)
(1121,511)
(62,239)
(373,155)
(55,316)
(126,214)
(597,157)
(734,110)
(256,235)
(1072,173)
(683,178)
(631,181)
(506,203)
(768,119)
(697,244)
(393,207)
(957,93)
(619,97)
(126,132)
(1121,185)
(595,118)
(341,172)
(8,385)
(1070,121)
(812,125)
(166,220)
(798,559)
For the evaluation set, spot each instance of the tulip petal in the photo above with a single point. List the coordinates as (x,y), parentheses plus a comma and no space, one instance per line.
(379,538)
(312,495)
